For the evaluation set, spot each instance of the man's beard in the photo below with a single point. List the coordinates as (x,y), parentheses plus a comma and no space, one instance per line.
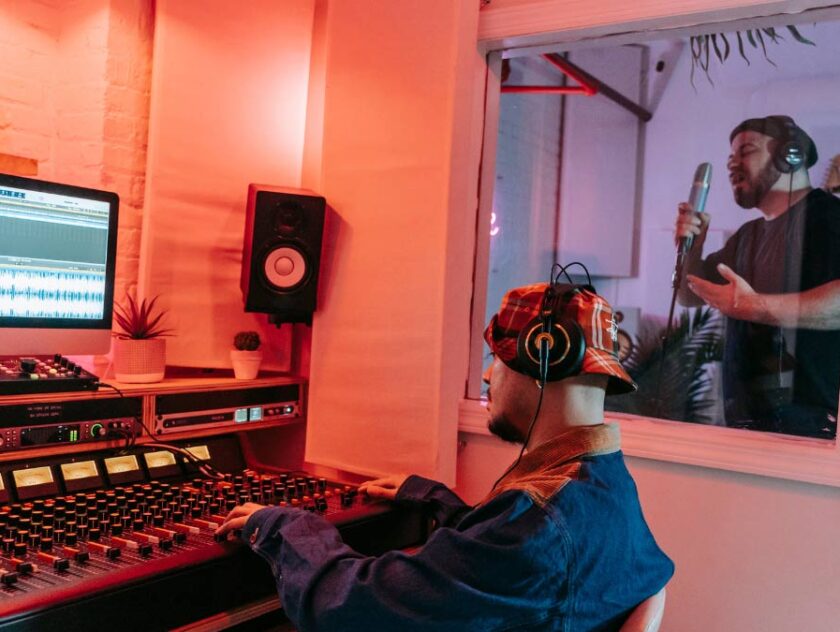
(501,426)
(751,196)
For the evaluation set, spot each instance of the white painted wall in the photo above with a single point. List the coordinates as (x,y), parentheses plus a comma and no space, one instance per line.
(390,340)
(228,108)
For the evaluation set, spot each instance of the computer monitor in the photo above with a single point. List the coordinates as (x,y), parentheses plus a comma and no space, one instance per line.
(57,258)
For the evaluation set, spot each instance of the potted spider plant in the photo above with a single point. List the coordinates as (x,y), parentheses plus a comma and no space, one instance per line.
(246,355)
(139,342)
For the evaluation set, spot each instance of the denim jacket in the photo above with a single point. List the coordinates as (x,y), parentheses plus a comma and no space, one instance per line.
(559,544)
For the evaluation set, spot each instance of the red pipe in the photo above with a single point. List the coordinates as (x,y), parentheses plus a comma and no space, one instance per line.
(588,88)
(549,90)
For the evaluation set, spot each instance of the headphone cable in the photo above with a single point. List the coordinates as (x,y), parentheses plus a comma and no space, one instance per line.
(524,443)
(552,281)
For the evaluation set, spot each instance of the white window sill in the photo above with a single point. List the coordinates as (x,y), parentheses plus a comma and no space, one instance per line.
(765,454)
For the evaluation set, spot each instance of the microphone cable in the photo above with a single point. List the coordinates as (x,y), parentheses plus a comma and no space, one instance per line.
(781,344)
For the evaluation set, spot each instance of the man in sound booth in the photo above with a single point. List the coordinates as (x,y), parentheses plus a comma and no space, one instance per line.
(559,543)
(777,282)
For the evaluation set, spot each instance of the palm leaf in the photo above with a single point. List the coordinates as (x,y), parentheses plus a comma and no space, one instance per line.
(674,384)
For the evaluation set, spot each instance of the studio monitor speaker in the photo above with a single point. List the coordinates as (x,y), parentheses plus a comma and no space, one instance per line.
(282,252)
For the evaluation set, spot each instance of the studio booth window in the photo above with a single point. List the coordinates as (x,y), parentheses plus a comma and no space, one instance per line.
(599,148)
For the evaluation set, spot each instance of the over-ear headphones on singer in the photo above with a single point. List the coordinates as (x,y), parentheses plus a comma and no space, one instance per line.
(551,346)
(790,153)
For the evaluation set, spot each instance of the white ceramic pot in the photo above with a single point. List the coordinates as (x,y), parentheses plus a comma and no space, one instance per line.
(139,361)
(246,364)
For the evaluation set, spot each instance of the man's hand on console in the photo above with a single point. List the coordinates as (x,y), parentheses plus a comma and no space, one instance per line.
(237,518)
(386,487)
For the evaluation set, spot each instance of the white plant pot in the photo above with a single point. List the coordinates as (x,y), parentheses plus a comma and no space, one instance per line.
(246,364)
(139,361)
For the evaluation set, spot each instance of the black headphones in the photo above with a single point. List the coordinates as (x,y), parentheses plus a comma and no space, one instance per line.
(790,152)
(551,346)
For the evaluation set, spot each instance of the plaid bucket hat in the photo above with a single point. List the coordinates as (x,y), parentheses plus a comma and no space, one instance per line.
(589,310)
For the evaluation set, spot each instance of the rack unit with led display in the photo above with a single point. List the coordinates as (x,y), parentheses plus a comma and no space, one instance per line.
(177,412)
(64,422)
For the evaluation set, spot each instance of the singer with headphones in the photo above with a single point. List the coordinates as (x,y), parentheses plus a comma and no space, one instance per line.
(777,281)
(559,543)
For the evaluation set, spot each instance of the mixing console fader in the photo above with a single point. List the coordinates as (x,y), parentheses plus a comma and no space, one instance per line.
(142,555)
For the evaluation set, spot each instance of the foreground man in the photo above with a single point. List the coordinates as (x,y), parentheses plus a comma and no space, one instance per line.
(559,543)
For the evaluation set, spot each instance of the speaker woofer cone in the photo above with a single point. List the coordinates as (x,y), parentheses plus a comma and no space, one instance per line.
(285,268)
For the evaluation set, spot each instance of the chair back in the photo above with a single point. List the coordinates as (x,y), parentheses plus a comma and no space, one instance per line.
(647,616)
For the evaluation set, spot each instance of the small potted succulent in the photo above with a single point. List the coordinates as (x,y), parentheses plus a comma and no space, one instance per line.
(246,355)
(139,343)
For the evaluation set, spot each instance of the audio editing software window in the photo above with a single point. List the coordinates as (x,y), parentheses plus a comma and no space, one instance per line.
(597,146)
(52,255)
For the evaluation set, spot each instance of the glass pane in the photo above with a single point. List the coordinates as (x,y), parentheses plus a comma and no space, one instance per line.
(598,179)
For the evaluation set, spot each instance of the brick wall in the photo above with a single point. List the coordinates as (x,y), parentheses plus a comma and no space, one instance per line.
(74,95)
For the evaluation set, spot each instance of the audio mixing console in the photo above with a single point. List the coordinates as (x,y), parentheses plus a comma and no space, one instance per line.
(43,374)
(134,547)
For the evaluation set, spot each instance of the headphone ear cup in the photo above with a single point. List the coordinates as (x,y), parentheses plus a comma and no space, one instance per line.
(790,154)
(566,347)
(788,158)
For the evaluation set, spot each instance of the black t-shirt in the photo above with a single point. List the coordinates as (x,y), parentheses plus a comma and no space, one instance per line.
(767,368)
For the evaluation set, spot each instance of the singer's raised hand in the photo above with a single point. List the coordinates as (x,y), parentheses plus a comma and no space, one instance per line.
(690,223)
(736,298)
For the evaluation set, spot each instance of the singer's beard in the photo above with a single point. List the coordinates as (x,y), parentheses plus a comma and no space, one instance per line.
(751,195)
(502,427)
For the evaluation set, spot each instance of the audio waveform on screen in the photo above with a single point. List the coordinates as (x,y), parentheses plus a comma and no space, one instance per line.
(28,293)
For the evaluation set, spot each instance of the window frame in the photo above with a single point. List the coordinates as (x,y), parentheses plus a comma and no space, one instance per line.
(766,454)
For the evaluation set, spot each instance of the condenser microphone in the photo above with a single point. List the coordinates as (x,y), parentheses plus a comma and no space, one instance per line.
(697,198)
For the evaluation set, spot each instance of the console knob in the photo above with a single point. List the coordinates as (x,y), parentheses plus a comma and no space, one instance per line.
(27,365)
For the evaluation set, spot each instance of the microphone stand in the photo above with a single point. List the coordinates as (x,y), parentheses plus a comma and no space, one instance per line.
(676,281)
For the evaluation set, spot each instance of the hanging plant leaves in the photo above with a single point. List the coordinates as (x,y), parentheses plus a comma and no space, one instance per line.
(741,48)
(726,46)
(705,64)
(798,36)
(696,51)
(703,45)
(774,37)
(763,47)
(717,48)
